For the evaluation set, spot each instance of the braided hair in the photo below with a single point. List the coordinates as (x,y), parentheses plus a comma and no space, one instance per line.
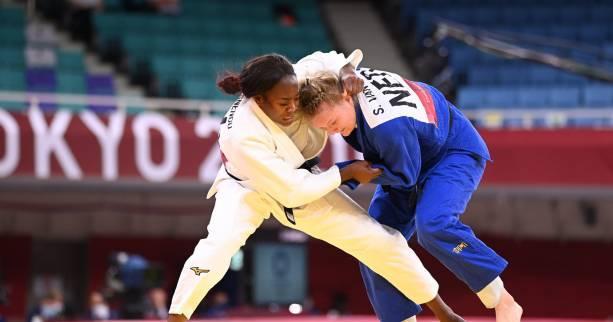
(323,86)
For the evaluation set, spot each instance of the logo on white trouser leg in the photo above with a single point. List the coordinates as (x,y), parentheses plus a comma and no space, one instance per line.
(198,270)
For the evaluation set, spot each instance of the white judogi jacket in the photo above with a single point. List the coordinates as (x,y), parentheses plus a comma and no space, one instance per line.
(257,151)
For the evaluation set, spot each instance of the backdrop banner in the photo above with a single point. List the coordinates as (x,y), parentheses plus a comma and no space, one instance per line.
(155,147)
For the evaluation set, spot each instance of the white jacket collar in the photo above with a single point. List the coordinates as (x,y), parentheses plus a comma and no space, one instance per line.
(285,146)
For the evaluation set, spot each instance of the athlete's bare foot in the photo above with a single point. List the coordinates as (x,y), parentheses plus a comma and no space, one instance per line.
(176,318)
(443,312)
(452,317)
(507,309)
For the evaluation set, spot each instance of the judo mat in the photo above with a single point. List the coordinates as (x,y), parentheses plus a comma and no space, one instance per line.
(358,318)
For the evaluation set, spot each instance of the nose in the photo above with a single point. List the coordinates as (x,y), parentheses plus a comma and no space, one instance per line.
(292,107)
(333,131)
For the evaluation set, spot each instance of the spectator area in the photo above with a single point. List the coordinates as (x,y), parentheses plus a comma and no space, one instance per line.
(186,52)
(573,29)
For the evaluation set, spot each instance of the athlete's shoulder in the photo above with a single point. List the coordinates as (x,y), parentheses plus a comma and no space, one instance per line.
(240,123)
(388,96)
(228,120)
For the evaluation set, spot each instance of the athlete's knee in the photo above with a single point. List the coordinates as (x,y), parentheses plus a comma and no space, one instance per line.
(217,246)
(432,227)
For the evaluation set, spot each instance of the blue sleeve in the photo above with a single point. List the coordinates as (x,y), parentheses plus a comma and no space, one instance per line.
(351,183)
(398,151)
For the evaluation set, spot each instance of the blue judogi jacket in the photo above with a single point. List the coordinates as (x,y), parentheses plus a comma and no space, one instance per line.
(406,127)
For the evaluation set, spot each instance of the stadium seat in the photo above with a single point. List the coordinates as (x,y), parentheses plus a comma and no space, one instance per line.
(163,25)
(137,23)
(41,80)
(501,97)
(533,30)
(572,14)
(540,15)
(485,16)
(12,36)
(190,46)
(608,49)
(137,45)
(12,79)
(483,75)
(12,57)
(12,17)
(471,97)
(598,96)
(108,25)
(564,97)
(592,33)
(166,65)
(164,44)
(70,61)
(70,82)
(188,26)
(198,89)
(514,75)
(563,32)
(569,78)
(584,57)
(532,97)
(100,85)
(599,14)
(460,57)
(193,67)
(513,15)
(541,75)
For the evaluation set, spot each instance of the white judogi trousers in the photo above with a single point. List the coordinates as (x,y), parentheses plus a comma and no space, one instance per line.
(335,218)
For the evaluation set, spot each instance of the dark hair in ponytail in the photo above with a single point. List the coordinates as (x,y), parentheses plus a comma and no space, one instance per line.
(229,83)
(257,76)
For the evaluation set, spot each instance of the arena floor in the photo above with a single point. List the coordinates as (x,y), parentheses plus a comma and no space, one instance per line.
(371,319)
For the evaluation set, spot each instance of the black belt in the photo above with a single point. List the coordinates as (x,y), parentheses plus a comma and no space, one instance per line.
(307,165)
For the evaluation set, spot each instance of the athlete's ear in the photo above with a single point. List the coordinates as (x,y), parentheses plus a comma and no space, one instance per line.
(260,100)
(346,96)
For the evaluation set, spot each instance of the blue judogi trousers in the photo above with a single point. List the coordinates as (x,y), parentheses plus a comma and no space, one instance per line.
(433,211)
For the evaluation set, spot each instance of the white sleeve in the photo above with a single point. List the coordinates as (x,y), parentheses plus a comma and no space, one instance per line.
(331,61)
(269,173)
